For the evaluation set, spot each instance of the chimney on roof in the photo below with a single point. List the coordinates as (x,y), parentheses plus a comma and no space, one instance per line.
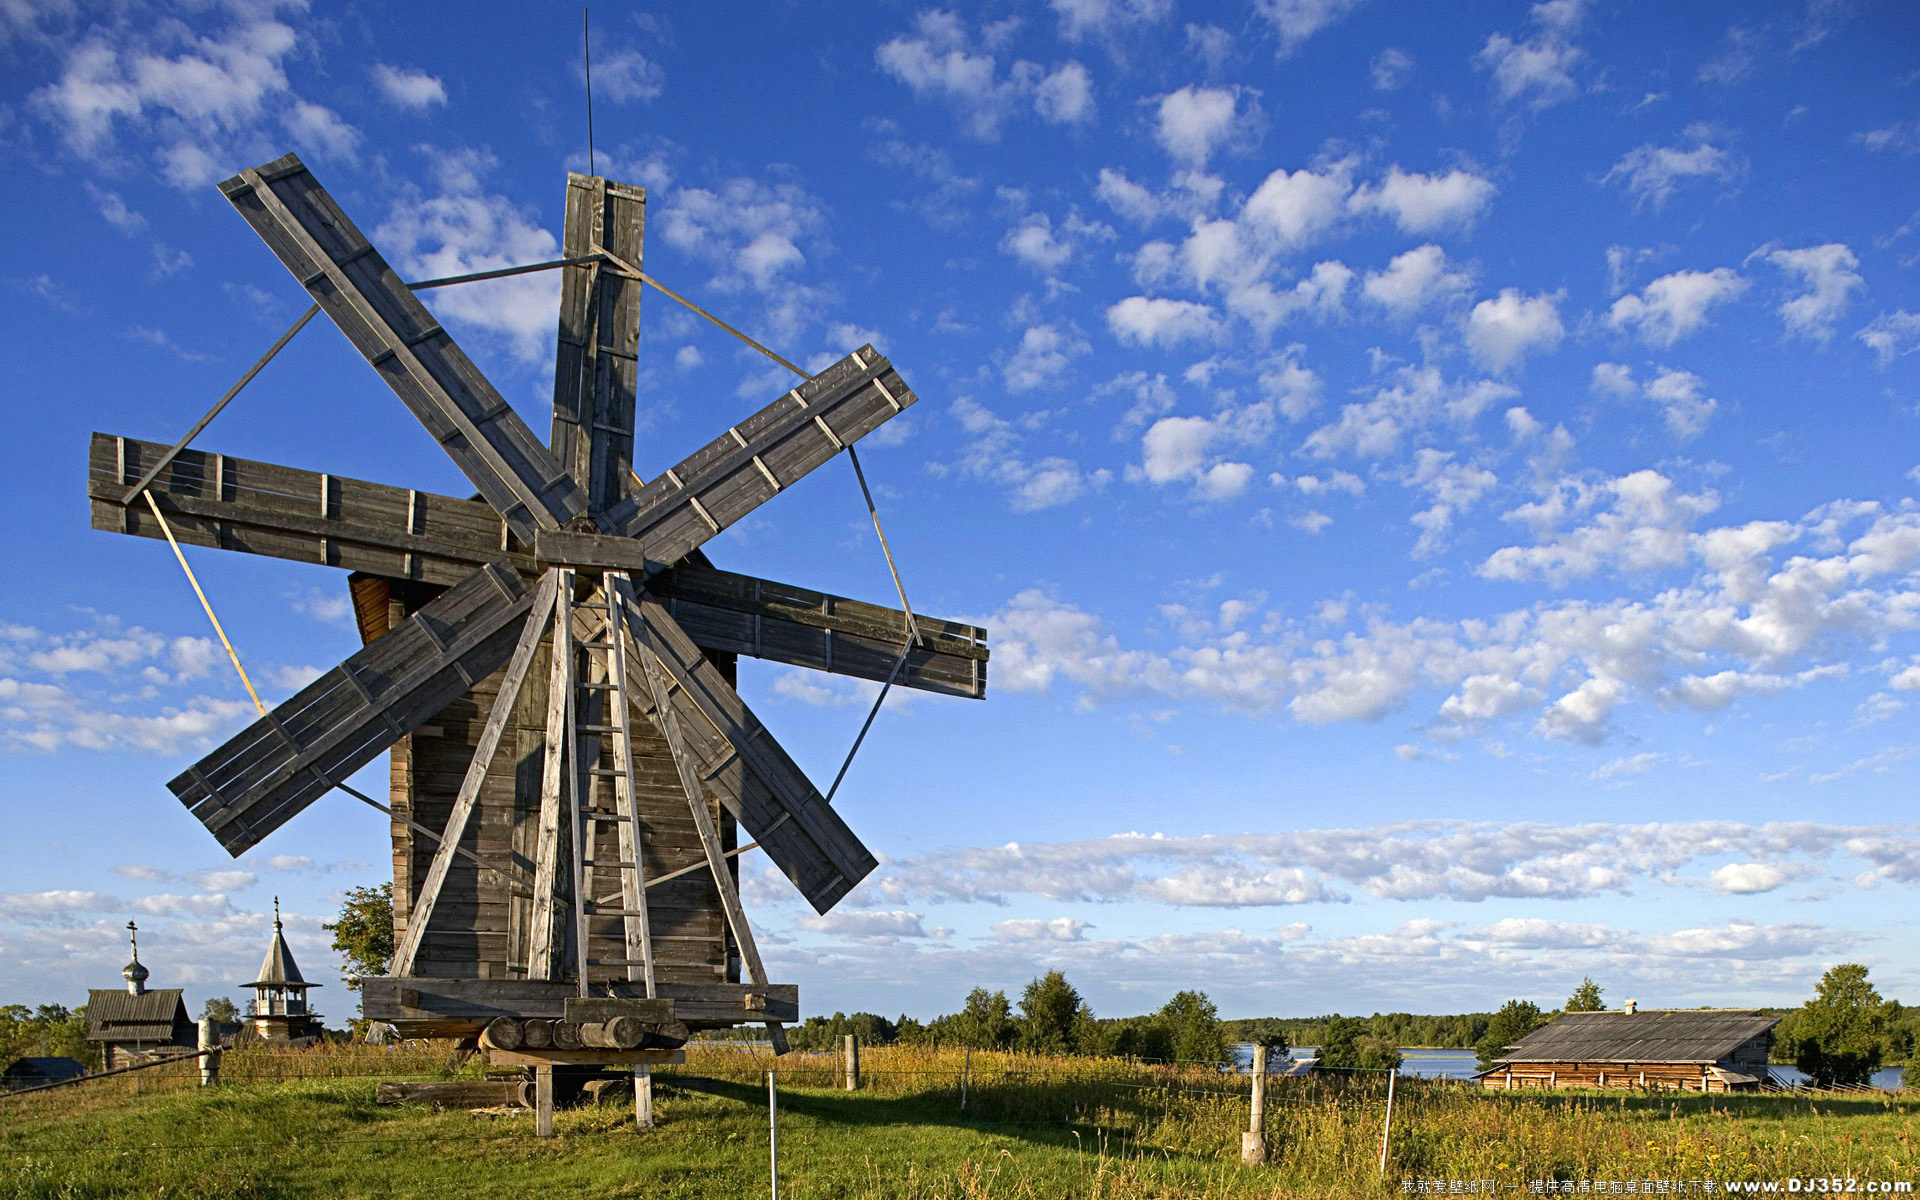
(1629,1006)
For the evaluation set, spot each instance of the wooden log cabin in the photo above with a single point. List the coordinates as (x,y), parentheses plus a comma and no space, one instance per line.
(139,1024)
(1693,1050)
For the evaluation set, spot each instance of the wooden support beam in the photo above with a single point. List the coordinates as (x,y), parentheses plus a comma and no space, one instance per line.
(546,878)
(452,1003)
(420,912)
(595,370)
(416,357)
(684,763)
(633,883)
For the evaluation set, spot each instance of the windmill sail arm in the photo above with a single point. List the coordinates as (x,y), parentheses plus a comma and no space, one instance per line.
(744,766)
(777,622)
(236,504)
(270,771)
(417,358)
(768,452)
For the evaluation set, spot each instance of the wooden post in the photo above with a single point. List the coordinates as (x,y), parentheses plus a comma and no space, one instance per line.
(850,1053)
(966,1070)
(643,1097)
(543,1100)
(1253,1143)
(773,1136)
(1386,1130)
(209,1052)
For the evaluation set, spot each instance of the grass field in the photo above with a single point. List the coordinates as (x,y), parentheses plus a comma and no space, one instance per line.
(295,1124)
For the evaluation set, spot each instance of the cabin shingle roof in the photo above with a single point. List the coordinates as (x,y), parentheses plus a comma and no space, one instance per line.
(119,1016)
(1664,1036)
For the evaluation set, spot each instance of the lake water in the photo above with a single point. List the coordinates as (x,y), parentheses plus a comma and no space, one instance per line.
(1461,1064)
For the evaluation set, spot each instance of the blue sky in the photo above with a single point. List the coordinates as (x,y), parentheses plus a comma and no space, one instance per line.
(1442,481)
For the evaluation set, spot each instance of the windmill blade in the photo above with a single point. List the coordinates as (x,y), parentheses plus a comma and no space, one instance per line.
(745,767)
(745,467)
(778,622)
(237,504)
(270,771)
(349,279)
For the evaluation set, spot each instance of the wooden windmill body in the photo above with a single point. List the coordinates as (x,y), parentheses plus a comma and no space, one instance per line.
(550,663)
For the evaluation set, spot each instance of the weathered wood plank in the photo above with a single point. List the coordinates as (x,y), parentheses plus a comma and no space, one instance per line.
(469,795)
(559,733)
(703,1005)
(349,279)
(595,369)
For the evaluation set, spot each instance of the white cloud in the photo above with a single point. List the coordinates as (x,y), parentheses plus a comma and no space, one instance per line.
(1390,69)
(1065,96)
(995,451)
(1157,321)
(1084,19)
(1196,121)
(1035,929)
(188,99)
(1414,280)
(316,128)
(941,61)
(625,75)
(1653,173)
(1294,207)
(406,87)
(1504,330)
(883,927)
(464,228)
(1294,21)
(1646,527)
(1425,204)
(1674,306)
(1892,335)
(1831,276)
(1537,70)
(1685,408)
(1043,354)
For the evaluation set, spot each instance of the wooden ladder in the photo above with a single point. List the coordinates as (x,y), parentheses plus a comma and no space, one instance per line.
(607,887)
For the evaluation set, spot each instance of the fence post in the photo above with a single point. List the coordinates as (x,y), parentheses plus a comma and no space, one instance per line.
(209,1052)
(643,1097)
(543,1100)
(966,1071)
(773,1136)
(850,1051)
(1386,1130)
(1253,1143)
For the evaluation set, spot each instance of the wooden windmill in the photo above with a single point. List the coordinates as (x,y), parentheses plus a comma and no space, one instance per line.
(551,663)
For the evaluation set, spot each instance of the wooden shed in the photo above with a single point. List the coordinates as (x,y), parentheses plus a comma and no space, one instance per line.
(1695,1050)
(23,1073)
(137,1027)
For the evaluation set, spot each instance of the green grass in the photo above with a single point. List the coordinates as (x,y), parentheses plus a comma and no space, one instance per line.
(289,1125)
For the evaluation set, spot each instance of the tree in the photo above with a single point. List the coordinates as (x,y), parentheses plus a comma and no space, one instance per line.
(1515,1020)
(1193,1027)
(221,1009)
(1839,1029)
(986,1023)
(364,933)
(1347,1042)
(1047,1011)
(1586,997)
